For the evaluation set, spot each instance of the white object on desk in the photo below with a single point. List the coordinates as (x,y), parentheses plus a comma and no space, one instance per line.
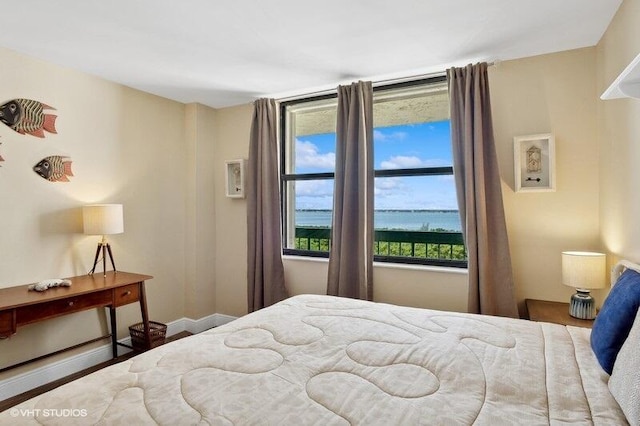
(47,284)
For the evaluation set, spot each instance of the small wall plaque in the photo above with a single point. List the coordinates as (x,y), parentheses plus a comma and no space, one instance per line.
(235,178)
(534,161)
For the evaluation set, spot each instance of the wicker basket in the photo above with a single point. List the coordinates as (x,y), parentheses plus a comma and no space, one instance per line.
(157,331)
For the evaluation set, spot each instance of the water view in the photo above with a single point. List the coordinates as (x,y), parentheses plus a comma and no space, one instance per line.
(410,220)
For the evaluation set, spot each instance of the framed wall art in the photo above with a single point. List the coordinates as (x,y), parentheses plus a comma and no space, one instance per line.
(234,177)
(534,161)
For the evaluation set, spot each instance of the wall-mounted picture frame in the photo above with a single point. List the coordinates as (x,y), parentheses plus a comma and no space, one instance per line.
(234,177)
(534,161)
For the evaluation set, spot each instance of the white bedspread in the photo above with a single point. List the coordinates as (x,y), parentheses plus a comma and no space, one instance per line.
(329,361)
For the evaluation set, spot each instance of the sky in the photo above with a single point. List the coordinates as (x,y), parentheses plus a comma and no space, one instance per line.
(395,147)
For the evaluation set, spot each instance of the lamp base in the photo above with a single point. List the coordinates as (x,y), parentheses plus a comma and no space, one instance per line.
(582,305)
(105,248)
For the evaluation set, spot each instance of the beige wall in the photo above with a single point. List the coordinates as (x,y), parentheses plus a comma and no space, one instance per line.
(555,94)
(231,213)
(200,232)
(127,147)
(619,138)
(417,286)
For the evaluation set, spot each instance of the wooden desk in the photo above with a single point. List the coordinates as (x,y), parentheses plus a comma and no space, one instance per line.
(555,312)
(19,306)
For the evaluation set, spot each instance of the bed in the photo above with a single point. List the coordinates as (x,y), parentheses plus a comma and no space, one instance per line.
(324,360)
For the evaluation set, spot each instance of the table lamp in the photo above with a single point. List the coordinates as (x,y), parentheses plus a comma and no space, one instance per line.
(583,271)
(103,219)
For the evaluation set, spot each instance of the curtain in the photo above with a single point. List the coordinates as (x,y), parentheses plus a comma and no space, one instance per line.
(479,193)
(351,254)
(265,271)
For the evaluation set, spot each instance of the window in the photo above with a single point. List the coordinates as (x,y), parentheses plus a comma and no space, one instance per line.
(416,216)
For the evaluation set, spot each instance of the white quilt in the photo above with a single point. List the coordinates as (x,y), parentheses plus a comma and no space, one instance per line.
(329,361)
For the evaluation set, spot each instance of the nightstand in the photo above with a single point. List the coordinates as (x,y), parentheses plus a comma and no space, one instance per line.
(555,312)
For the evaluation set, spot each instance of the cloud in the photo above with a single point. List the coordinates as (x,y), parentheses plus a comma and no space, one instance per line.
(308,155)
(401,162)
(314,188)
(385,187)
(380,136)
(390,193)
(314,194)
(411,162)
(415,192)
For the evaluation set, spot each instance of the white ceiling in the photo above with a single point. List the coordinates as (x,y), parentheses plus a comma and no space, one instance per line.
(229,52)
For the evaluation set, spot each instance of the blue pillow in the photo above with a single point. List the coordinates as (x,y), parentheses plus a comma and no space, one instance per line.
(615,319)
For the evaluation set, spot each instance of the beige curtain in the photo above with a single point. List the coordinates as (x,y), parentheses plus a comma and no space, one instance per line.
(351,255)
(265,271)
(477,179)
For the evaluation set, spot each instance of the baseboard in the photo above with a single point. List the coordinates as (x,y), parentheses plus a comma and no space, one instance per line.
(203,324)
(40,376)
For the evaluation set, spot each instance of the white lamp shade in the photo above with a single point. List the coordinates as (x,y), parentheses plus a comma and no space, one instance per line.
(581,269)
(103,219)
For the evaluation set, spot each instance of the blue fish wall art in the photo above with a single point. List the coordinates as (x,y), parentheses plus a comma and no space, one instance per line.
(27,116)
(54,168)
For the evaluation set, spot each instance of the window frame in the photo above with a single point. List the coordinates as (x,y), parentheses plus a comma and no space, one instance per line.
(285,178)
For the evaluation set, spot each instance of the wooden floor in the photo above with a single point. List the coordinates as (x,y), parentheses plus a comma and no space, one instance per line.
(8,403)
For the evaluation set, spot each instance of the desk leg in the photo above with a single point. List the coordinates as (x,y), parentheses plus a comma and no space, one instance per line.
(145,315)
(114,331)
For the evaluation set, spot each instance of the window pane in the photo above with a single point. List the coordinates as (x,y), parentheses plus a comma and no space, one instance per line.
(417,217)
(416,203)
(310,135)
(316,194)
(309,208)
(411,128)
(411,146)
(315,153)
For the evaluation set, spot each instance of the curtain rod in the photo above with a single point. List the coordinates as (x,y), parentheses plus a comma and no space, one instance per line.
(378,83)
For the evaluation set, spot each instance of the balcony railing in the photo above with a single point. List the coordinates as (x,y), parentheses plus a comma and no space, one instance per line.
(439,247)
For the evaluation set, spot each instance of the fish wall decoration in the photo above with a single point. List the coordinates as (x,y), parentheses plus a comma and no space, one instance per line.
(54,168)
(27,116)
